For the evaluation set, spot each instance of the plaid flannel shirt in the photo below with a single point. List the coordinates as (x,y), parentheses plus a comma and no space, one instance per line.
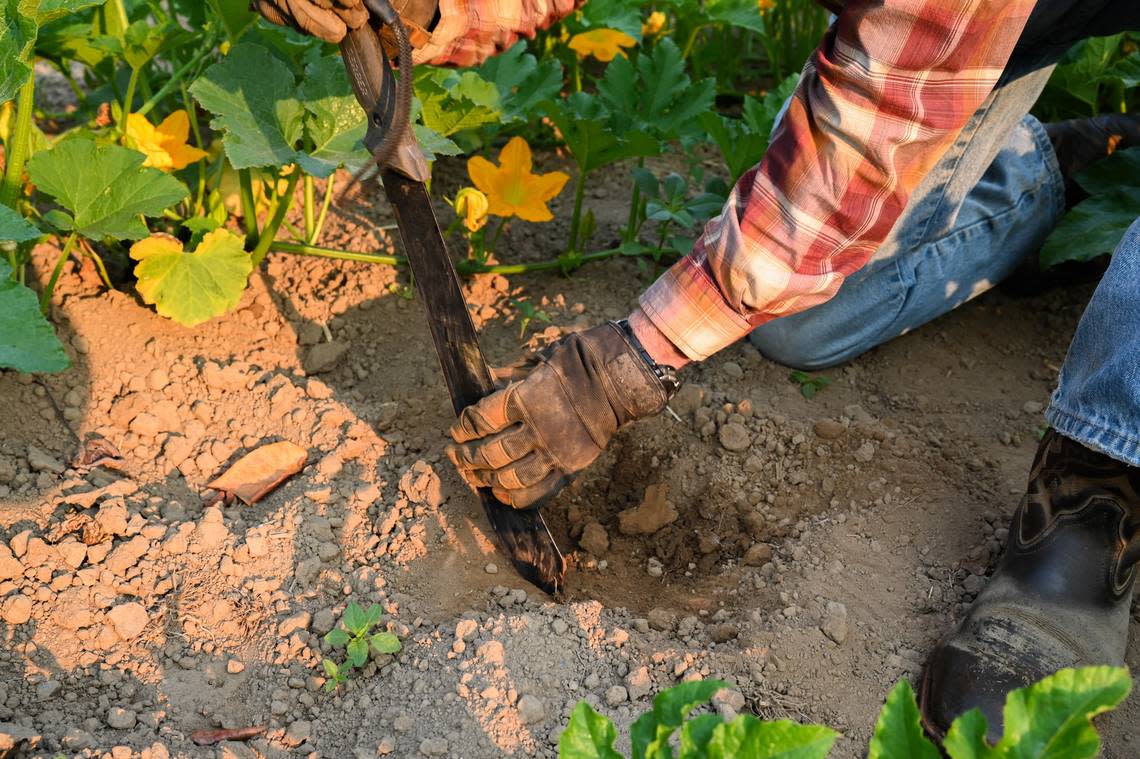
(879,102)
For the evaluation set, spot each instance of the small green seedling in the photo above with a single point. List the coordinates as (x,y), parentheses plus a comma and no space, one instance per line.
(356,637)
(809,384)
(527,314)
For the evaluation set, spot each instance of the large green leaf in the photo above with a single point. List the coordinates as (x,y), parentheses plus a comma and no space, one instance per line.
(747,736)
(49,10)
(14,227)
(1094,226)
(743,141)
(588,736)
(649,735)
(452,101)
(27,341)
(252,95)
(17,38)
(522,81)
(1051,720)
(613,14)
(898,733)
(655,95)
(105,187)
(583,121)
(966,738)
(742,13)
(335,122)
(191,287)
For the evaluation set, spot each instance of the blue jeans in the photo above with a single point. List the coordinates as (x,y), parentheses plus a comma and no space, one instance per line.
(989,203)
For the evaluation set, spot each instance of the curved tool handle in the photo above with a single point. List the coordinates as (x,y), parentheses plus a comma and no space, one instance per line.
(375,86)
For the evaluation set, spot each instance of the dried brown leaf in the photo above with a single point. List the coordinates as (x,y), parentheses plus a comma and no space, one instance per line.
(210,737)
(256,473)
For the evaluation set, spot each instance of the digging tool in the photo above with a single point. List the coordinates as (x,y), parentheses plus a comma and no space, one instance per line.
(523,534)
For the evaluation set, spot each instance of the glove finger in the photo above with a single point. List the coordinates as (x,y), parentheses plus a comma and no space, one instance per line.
(535,495)
(487,417)
(518,475)
(317,21)
(494,452)
(271,12)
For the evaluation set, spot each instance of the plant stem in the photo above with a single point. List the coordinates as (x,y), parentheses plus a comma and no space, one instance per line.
(285,202)
(175,79)
(45,297)
(248,208)
(329,183)
(690,42)
(576,218)
(99,265)
(16,151)
(200,195)
(301,249)
(310,208)
(128,99)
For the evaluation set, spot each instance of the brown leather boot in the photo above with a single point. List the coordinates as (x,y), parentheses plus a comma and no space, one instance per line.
(1060,597)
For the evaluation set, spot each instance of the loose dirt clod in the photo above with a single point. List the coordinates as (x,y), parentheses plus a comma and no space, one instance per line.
(651,515)
(257,473)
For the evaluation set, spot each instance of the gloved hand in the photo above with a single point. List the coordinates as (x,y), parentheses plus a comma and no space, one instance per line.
(528,440)
(331,20)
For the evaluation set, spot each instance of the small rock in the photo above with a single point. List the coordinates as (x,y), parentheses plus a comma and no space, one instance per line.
(531,709)
(77,739)
(1033,407)
(724,632)
(386,746)
(974,584)
(559,626)
(323,357)
(13,736)
(235,666)
(157,379)
(733,370)
(758,555)
(42,461)
(653,513)
(466,630)
(10,566)
(638,683)
(294,623)
(236,750)
(128,619)
(864,453)
(491,569)
(594,539)
(47,689)
(735,437)
(660,619)
(298,732)
(834,623)
(688,399)
(434,747)
(121,719)
(16,610)
(616,695)
(323,621)
(829,429)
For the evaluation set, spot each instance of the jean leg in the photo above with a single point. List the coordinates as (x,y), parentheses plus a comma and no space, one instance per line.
(990,202)
(1097,401)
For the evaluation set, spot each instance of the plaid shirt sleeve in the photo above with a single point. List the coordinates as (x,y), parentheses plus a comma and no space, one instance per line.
(880,101)
(470,31)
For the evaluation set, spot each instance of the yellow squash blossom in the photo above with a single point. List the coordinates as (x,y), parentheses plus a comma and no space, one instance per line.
(766,5)
(603,44)
(164,145)
(472,205)
(653,25)
(511,188)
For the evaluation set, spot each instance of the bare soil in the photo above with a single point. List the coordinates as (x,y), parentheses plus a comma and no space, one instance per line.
(812,568)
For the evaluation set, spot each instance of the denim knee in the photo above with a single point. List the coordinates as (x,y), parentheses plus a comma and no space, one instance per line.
(805,341)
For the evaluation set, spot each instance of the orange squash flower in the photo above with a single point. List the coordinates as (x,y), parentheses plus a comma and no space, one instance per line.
(603,44)
(512,189)
(164,145)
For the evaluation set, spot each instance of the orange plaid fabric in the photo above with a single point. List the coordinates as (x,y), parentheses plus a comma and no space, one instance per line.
(470,31)
(879,102)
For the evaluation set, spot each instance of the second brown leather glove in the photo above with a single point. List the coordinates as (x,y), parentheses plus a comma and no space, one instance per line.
(527,441)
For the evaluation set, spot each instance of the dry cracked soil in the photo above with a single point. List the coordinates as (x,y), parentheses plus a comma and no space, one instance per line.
(807,551)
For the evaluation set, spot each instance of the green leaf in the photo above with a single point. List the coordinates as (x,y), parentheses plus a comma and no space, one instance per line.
(1051,720)
(650,733)
(49,10)
(18,31)
(747,736)
(588,736)
(613,14)
(452,101)
(521,80)
(1117,171)
(696,734)
(355,620)
(192,287)
(235,15)
(655,95)
(372,614)
(27,341)
(357,652)
(1092,228)
(583,122)
(1126,71)
(434,144)
(335,123)
(252,95)
(331,669)
(337,638)
(966,738)
(741,13)
(105,187)
(385,643)
(15,228)
(898,733)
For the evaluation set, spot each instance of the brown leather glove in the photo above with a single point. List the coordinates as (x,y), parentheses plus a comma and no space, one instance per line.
(527,441)
(331,20)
